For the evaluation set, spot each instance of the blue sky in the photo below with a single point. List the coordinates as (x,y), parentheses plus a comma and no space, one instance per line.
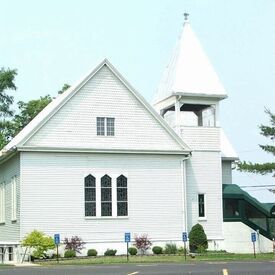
(56,42)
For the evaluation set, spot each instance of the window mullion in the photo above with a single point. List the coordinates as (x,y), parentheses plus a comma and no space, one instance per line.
(114,200)
(98,198)
(105,126)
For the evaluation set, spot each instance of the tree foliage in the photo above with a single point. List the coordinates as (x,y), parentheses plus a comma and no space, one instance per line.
(267,167)
(7,78)
(11,124)
(39,242)
(197,238)
(74,243)
(6,83)
(142,243)
(27,112)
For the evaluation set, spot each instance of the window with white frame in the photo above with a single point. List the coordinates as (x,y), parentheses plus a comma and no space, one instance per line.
(104,199)
(201,205)
(2,202)
(106,196)
(122,196)
(105,126)
(13,199)
(90,196)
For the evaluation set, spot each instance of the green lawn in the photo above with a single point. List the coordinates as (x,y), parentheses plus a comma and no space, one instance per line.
(162,259)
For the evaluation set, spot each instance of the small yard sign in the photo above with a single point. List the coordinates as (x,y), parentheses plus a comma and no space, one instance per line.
(184,236)
(57,239)
(184,239)
(127,237)
(57,242)
(253,237)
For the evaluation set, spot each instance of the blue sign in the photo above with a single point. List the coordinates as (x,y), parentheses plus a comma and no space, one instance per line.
(127,237)
(57,239)
(253,237)
(184,236)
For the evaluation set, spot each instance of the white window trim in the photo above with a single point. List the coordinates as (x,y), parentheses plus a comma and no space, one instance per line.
(2,203)
(14,199)
(105,127)
(114,197)
(204,218)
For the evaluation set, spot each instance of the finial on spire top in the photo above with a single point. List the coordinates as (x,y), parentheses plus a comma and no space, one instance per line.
(186,15)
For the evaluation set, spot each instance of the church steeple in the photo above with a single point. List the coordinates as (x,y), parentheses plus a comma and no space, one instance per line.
(189,72)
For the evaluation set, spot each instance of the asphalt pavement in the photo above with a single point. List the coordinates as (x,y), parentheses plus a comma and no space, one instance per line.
(211,268)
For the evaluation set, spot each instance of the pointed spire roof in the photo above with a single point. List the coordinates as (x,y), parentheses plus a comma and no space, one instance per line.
(189,72)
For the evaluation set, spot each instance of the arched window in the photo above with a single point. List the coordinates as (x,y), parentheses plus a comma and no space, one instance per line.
(90,196)
(122,196)
(106,196)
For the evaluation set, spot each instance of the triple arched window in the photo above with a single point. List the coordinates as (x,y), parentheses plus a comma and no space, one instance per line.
(106,196)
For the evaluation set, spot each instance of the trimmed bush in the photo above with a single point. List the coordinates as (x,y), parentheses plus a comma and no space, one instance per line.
(197,238)
(132,251)
(110,252)
(170,248)
(142,243)
(157,250)
(92,252)
(69,254)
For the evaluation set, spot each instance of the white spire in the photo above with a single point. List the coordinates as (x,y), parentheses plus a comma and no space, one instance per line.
(189,71)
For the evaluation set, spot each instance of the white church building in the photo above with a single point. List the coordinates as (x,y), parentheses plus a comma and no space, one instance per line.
(100,161)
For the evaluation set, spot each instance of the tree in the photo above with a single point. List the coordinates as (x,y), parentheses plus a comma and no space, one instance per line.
(27,112)
(197,238)
(64,88)
(74,243)
(6,83)
(267,167)
(39,242)
(142,243)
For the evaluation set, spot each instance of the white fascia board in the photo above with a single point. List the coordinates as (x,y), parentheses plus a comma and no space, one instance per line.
(106,151)
(196,95)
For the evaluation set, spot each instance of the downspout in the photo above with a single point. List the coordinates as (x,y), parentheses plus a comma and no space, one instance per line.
(184,190)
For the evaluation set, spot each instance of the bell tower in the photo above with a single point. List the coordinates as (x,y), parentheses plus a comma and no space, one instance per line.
(188,99)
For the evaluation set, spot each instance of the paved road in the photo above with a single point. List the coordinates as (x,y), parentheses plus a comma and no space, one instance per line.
(211,268)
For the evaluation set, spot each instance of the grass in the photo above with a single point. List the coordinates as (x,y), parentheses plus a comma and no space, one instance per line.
(162,259)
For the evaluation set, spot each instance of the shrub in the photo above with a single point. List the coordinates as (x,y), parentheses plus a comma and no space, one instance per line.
(197,238)
(132,251)
(39,242)
(54,256)
(170,248)
(69,254)
(157,250)
(142,243)
(182,250)
(201,249)
(74,243)
(92,252)
(110,252)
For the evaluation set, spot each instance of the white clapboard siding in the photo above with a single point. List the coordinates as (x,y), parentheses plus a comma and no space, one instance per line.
(9,231)
(201,138)
(53,195)
(226,172)
(104,95)
(204,176)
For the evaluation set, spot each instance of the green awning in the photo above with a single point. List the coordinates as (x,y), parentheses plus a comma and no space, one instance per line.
(233,191)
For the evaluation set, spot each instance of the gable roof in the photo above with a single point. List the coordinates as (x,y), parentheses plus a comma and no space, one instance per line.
(189,72)
(26,133)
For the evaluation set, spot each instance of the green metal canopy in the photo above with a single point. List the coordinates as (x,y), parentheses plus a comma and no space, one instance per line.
(233,191)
